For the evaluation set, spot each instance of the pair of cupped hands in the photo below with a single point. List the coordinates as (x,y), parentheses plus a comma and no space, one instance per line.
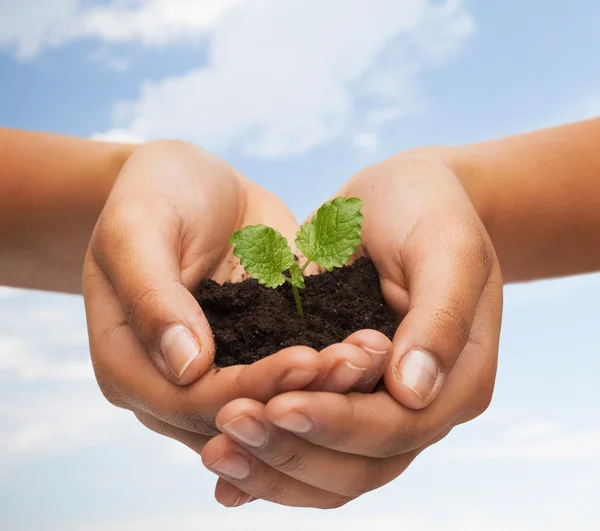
(301,427)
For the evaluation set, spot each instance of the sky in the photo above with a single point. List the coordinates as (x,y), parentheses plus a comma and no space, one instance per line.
(299,95)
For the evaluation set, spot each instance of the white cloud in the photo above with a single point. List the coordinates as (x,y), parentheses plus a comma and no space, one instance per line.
(284,77)
(28,26)
(118,135)
(151,22)
(367,141)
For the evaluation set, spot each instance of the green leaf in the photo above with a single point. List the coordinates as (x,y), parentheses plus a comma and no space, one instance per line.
(264,253)
(297,278)
(330,238)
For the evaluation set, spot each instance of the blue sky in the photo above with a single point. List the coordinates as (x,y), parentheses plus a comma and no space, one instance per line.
(299,95)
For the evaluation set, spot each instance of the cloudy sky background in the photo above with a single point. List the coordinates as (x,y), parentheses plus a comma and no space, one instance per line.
(299,94)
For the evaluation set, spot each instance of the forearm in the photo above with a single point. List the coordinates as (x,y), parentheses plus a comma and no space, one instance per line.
(539,197)
(52,190)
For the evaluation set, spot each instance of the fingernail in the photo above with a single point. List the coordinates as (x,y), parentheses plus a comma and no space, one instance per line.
(295,422)
(242,499)
(343,376)
(377,358)
(233,465)
(179,348)
(373,352)
(247,430)
(418,371)
(233,498)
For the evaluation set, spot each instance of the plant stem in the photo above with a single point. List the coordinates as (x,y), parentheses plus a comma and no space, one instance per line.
(298,302)
(305,265)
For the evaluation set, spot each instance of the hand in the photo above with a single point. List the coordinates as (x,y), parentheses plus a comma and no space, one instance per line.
(438,268)
(165,226)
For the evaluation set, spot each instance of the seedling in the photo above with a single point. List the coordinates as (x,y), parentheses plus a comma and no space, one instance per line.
(329,239)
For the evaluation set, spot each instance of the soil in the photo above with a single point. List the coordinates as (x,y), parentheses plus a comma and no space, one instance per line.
(251,322)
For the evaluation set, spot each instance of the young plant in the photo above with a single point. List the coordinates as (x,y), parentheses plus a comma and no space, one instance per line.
(329,239)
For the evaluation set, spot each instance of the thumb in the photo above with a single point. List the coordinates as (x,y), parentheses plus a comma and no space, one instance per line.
(138,250)
(446,276)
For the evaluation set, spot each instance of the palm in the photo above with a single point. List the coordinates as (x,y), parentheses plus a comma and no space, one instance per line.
(262,208)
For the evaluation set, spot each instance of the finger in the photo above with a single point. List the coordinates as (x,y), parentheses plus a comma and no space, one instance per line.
(229,495)
(341,473)
(470,385)
(378,347)
(372,425)
(442,259)
(289,369)
(237,466)
(376,425)
(444,294)
(335,369)
(263,481)
(145,271)
(139,242)
(127,379)
(344,365)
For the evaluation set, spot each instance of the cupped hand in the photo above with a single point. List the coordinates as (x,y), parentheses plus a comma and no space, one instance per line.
(165,227)
(438,269)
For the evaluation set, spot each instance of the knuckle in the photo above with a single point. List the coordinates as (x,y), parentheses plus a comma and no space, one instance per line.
(141,308)
(290,463)
(366,480)
(112,392)
(177,409)
(186,413)
(110,388)
(337,434)
(404,436)
(275,492)
(481,256)
(345,431)
(203,425)
(391,445)
(112,241)
(111,232)
(481,401)
(335,502)
(480,365)
(153,424)
(472,248)
(334,438)
(449,316)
